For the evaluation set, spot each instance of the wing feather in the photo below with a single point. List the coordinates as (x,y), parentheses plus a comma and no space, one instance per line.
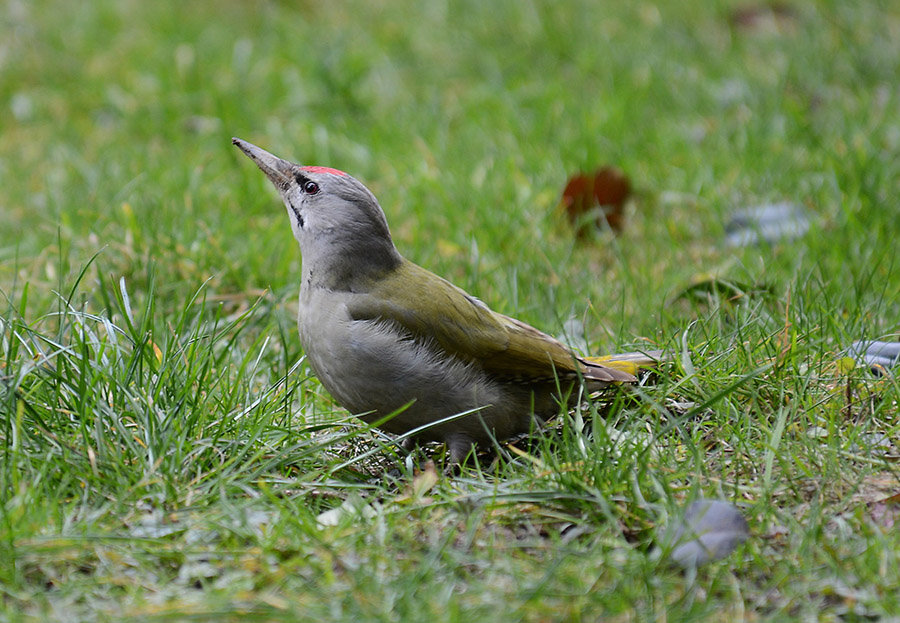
(430,307)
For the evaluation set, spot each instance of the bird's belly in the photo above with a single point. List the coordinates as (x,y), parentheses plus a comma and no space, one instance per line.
(373,369)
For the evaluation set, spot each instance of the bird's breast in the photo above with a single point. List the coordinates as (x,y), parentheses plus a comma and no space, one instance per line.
(376,366)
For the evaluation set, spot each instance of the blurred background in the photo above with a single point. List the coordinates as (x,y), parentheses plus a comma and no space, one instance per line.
(464,118)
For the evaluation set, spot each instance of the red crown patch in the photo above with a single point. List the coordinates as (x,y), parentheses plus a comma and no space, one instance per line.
(323,170)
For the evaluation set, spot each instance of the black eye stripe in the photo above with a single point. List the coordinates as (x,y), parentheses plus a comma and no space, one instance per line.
(308,186)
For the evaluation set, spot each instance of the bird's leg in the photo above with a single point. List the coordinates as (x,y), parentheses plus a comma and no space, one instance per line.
(409,444)
(459,445)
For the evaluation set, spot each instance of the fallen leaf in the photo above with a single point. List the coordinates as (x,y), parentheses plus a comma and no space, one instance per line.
(709,530)
(845,365)
(353,506)
(423,481)
(596,198)
(769,223)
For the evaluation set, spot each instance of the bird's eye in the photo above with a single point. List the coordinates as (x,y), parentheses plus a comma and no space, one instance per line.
(310,188)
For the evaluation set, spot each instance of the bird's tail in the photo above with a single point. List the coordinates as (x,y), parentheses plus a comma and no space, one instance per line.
(632,362)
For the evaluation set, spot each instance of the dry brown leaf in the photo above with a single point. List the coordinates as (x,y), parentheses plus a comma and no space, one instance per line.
(603,192)
(423,481)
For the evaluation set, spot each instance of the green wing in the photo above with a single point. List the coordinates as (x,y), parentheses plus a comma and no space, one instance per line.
(431,307)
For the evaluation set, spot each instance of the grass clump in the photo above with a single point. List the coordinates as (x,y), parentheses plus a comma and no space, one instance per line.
(165,451)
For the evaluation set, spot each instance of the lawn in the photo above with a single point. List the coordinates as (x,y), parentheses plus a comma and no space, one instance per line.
(167,454)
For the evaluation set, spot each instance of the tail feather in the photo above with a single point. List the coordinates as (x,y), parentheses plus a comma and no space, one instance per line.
(631,362)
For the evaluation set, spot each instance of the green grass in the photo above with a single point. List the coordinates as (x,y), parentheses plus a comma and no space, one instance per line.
(164,451)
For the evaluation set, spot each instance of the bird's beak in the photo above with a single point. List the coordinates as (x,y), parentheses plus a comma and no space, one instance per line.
(277,170)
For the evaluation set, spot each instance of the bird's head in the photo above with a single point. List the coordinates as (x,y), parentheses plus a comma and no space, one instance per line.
(341,228)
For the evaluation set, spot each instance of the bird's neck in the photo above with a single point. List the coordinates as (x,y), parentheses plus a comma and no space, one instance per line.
(352,268)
